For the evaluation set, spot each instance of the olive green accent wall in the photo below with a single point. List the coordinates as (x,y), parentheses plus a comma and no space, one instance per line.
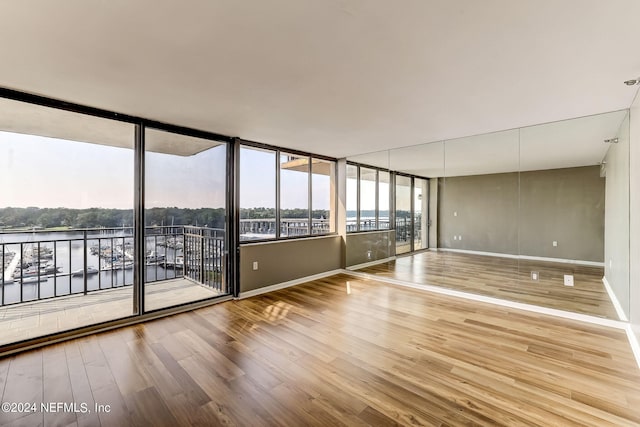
(287,260)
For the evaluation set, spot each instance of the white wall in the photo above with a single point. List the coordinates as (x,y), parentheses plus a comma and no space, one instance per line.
(616,222)
(635,216)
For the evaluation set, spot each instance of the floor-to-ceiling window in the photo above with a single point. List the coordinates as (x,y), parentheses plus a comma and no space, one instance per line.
(66,212)
(185,213)
(76,248)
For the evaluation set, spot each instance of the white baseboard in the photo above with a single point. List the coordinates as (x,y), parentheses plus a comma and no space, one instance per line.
(614,300)
(287,284)
(525,257)
(633,342)
(496,301)
(369,264)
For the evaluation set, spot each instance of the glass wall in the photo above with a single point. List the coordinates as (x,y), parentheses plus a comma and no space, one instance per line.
(538,215)
(404,227)
(185,212)
(66,199)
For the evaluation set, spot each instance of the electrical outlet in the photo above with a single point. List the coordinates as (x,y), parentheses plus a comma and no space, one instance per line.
(568,280)
(555,243)
(455,237)
(455,213)
(459,237)
(535,275)
(368,254)
(255,265)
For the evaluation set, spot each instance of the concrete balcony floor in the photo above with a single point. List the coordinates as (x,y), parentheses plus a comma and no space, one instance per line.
(33,319)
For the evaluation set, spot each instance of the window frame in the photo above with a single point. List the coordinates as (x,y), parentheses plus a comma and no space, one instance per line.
(278,151)
(377,198)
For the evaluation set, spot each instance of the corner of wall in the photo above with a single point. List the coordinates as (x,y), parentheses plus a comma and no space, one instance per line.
(634,215)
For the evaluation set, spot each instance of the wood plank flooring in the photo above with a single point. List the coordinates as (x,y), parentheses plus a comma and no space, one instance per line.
(333,352)
(505,278)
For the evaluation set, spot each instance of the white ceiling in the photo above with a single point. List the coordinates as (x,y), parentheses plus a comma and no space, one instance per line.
(333,77)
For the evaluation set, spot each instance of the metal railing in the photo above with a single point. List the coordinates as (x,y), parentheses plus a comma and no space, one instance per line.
(265,228)
(47,264)
(403,229)
(204,258)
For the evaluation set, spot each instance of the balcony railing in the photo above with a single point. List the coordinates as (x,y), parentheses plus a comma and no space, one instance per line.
(46,264)
(265,228)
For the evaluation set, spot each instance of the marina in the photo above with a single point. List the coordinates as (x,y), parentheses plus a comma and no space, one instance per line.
(40,265)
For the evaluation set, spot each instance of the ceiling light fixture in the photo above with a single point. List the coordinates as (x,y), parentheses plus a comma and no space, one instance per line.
(633,82)
(611,141)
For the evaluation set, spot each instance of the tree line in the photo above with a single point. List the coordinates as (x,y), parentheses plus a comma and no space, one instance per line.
(31,217)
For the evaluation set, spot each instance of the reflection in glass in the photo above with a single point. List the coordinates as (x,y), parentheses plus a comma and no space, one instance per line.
(185,199)
(420,214)
(384,179)
(368,179)
(257,194)
(352,198)
(523,208)
(479,199)
(404,232)
(294,195)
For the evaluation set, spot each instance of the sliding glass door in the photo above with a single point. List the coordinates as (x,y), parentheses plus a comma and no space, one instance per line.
(66,198)
(185,217)
(420,214)
(412,213)
(404,226)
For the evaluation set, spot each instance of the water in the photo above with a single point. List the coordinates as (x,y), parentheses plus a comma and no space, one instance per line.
(69,250)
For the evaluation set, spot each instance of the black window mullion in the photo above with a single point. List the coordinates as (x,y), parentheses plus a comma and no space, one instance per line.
(310,201)
(377,208)
(138,230)
(278,181)
(413,214)
(357,198)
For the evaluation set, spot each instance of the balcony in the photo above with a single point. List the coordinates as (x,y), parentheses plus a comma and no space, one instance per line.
(58,280)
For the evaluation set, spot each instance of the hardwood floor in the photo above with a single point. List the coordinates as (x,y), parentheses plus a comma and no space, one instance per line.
(337,351)
(505,278)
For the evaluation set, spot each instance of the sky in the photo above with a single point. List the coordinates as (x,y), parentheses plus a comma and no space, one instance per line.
(48,172)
